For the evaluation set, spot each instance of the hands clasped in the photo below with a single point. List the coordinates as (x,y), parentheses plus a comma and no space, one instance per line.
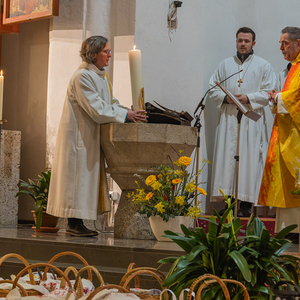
(272,96)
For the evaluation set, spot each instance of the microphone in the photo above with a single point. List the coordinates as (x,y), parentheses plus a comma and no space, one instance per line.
(201,102)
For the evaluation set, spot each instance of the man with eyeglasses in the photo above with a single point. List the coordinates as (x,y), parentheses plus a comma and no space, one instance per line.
(78,188)
(250,87)
(282,167)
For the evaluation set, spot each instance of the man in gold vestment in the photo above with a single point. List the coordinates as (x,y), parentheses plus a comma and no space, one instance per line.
(283,156)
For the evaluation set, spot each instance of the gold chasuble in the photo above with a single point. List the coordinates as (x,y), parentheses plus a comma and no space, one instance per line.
(284,149)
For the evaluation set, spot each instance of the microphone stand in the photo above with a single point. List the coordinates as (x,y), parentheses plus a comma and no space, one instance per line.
(198,125)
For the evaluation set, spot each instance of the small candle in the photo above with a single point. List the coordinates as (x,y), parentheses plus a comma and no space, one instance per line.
(1,94)
(135,63)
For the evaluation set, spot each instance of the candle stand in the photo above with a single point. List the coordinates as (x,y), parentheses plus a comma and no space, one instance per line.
(132,148)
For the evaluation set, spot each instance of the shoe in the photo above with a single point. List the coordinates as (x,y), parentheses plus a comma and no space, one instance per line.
(80,230)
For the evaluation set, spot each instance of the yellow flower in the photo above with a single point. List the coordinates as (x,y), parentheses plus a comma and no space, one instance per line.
(190,187)
(160,176)
(150,180)
(184,160)
(178,172)
(176,181)
(160,207)
(156,185)
(149,196)
(194,212)
(201,191)
(179,200)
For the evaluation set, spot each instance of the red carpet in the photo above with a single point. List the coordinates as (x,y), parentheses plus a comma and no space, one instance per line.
(269,223)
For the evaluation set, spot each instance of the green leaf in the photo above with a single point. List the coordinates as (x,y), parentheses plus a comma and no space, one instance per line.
(282,233)
(242,264)
(195,251)
(168,260)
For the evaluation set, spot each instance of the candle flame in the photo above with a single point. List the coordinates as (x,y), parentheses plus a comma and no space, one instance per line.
(134,47)
(1,73)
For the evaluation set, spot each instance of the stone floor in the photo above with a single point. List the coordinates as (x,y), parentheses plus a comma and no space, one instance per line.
(103,239)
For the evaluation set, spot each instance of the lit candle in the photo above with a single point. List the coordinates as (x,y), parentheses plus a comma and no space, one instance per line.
(135,63)
(1,94)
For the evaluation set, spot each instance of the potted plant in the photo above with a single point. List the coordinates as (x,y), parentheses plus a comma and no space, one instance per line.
(171,196)
(256,259)
(38,191)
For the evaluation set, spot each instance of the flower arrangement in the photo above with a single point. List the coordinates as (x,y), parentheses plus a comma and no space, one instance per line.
(173,191)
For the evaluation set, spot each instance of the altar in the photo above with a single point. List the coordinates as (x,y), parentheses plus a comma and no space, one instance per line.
(132,148)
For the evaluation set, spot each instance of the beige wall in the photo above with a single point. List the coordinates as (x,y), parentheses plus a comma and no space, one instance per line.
(24,60)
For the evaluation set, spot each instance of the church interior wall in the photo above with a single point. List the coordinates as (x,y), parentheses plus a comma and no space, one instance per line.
(176,72)
(24,61)
(39,61)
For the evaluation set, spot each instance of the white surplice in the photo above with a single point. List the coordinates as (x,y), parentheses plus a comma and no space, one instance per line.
(258,78)
(75,179)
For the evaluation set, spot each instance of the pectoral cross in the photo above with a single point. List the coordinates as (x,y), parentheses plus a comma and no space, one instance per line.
(240,81)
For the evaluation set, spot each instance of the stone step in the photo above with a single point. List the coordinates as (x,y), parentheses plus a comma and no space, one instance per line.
(110,256)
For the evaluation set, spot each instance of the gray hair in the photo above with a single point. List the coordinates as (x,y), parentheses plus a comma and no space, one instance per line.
(293,32)
(91,46)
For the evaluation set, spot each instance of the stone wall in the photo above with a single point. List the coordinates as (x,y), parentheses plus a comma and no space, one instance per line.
(9,177)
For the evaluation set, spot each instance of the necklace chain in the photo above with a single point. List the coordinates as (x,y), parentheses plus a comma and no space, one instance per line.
(241,79)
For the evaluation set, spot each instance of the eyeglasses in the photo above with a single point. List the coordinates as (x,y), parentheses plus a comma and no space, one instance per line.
(106,51)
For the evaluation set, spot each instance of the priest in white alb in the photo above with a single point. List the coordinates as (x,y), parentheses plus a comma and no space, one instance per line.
(251,87)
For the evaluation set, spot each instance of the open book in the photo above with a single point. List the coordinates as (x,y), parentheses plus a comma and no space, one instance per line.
(248,113)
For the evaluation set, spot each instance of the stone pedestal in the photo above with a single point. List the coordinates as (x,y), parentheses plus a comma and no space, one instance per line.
(9,177)
(132,149)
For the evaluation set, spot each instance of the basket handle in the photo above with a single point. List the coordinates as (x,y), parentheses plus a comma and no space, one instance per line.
(125,281)
(212,279)
(246,294)
(64,254)
(108,286)
(136,279)
(88,268)
(21,258)
(63,281)
(60,272)
(23,291)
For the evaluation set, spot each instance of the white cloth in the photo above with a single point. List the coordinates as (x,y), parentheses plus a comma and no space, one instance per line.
(74,187)
(258,79)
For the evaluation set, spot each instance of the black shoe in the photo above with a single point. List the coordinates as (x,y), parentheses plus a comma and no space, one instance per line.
(80,230)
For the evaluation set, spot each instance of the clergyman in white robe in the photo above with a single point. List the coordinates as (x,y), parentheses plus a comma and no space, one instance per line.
(258,78)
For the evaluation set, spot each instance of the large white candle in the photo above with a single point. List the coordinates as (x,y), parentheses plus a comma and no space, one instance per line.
(135,63)
(1,94)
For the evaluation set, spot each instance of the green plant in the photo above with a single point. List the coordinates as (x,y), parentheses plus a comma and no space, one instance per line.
(39,193)
(172,191)
(256,259)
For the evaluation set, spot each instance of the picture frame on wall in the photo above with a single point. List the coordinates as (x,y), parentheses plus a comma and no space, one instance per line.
(18,11)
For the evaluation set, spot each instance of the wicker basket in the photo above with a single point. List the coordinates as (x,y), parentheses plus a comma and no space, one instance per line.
(70,253)
(133,273)
(55,269)
(4,292)
(78,278)
(108,286)
(30,292)
(208,279)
